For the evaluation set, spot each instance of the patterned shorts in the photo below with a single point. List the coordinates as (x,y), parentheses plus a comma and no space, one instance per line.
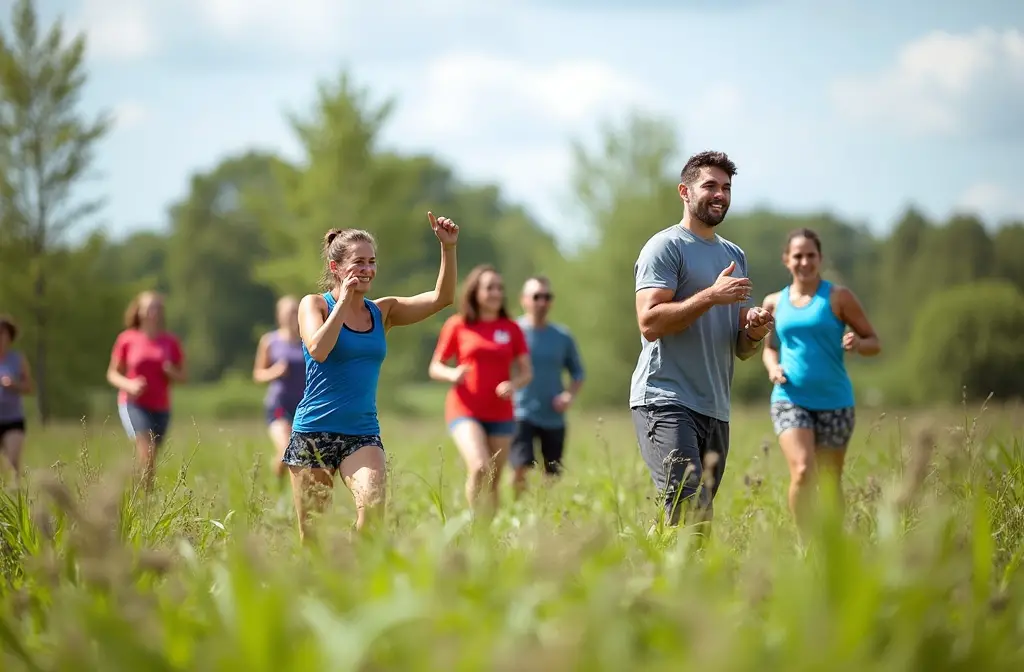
(325,450)
(832,429)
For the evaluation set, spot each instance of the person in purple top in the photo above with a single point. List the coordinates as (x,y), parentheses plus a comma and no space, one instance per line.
(279,362)
(15,382)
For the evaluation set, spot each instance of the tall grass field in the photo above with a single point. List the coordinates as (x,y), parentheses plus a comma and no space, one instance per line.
(207,573)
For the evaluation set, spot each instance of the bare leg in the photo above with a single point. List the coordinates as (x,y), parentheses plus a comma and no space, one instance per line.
(311,489)
(280,433)
(798,447)
(364,472)
(497,447)
(145,450)
(471,441)
(10,449)
(830,465)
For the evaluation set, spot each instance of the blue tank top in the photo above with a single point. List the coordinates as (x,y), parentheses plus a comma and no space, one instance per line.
(341,391)
(810,341)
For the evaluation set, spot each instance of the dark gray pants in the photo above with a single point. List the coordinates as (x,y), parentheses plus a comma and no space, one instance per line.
(679,446)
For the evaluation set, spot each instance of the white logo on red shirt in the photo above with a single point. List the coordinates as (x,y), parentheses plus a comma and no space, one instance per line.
(501,337)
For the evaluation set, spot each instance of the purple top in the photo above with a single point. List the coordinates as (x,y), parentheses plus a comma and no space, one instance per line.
(287,390)
(11,409)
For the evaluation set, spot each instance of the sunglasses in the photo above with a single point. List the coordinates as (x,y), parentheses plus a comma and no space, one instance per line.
(543,297)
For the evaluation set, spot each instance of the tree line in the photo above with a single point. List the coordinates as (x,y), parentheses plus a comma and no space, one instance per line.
(946,297)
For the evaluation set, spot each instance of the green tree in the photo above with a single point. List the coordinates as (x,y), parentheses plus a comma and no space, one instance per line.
(969,337)
(46,150)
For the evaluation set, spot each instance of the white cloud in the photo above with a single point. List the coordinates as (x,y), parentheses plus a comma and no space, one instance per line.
(994,202)
(475,93)
(118,30)
(130,114)
(298,24)
(944,84)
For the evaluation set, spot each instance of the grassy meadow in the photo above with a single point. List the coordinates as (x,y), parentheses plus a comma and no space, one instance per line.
(207,574)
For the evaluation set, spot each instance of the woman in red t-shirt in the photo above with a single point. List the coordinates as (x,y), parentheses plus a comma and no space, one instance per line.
(144,362)
(492,362)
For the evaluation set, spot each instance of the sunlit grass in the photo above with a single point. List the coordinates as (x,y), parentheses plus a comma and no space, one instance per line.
(208,574)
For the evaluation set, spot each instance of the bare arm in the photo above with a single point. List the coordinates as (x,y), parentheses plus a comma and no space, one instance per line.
(319,334)
(116,377)
(443,373)
(658,315)
(523,371)
(400,311)
(770,354)
(26,384)
(852,313)
(262,370)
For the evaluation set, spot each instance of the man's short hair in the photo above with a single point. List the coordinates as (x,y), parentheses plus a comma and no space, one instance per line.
(708,159)
(542,279)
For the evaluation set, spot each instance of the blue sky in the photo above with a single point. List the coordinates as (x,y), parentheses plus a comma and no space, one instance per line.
(858,107)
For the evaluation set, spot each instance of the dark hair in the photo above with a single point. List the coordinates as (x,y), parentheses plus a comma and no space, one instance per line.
(469,306)
(7,324)
(707,159)
(337,244)
(803,233)
(132,319)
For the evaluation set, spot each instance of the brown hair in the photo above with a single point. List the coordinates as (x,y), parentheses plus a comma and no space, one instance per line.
(708,159)
(337,244)
(803,233)
(469,306)
(132,319)
(7,324)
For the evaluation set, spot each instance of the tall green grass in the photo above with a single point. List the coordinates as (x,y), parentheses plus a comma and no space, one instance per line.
(207,574)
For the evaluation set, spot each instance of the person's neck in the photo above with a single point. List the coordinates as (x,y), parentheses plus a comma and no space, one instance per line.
(806,287)
(697,227)
(488,317)
(288,334)
(150,330)
(534,321)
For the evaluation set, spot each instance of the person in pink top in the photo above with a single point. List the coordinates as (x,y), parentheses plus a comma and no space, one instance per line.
(145,361)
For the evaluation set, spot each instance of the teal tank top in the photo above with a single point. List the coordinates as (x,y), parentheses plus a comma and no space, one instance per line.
(341,391)
(810,342)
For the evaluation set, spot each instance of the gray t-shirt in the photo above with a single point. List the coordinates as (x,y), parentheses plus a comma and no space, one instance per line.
(692,367)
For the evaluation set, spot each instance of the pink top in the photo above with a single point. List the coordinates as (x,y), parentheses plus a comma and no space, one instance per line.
(145,357)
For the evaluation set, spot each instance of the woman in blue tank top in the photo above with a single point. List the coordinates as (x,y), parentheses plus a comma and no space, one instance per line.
(343,343)
(15,382)
(281,364)
(812,403)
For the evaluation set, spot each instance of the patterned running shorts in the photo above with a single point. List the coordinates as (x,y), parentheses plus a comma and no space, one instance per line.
(325,450)
(832,429)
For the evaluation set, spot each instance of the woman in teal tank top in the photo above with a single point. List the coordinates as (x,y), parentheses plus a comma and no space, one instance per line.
(812,403)
(335,428)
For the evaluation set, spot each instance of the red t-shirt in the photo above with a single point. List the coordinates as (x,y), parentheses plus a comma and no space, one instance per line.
(144,357)
(488,349)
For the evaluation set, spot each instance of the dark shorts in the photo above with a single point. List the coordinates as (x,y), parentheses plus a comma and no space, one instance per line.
(138,420)
(11,426)
(325,450)
(491,427)
(275,413)
(552,445)
(676,443)
(832,429)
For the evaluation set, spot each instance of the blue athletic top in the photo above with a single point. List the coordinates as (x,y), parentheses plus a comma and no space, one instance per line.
(810,342)
(341,391)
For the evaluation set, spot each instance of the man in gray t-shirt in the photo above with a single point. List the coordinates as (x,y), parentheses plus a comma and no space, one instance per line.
(695,314)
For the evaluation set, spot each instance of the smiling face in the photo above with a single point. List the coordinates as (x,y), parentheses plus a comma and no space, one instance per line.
(803,258)
(490,293)
(151,311)
(707,197)
(360,261)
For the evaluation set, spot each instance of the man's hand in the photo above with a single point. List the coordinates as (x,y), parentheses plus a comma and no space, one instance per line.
(562,401)
(728,289)
(759,323)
